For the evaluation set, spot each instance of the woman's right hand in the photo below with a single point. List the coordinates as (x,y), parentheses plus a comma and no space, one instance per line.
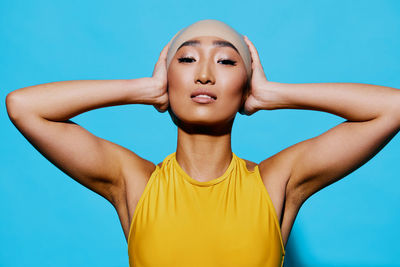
(160,78)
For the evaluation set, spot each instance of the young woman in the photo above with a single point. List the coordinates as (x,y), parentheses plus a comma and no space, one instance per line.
(203,205)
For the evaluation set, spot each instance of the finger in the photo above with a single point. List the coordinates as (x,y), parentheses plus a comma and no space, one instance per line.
(162,60)
(256,65)
(164,51)
(254,53)
(166,47)
(253,50)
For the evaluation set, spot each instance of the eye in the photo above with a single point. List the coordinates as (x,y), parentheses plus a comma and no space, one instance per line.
(190,59)
(185,59)
(228,61)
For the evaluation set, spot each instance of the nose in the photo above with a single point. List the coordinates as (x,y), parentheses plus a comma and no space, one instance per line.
(204,74)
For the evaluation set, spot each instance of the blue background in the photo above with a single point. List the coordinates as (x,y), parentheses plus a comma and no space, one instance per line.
(48,219)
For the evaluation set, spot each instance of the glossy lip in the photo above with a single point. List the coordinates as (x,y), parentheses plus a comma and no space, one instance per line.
(203,100)
(203,91)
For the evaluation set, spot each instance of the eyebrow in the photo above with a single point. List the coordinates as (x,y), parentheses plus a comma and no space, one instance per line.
(219,43)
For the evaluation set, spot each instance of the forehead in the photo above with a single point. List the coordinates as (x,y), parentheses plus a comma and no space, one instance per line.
(208,40)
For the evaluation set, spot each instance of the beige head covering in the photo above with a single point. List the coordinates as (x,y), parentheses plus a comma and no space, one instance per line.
(211,27)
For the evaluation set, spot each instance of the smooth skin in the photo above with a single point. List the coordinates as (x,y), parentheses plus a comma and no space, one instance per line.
(42,114)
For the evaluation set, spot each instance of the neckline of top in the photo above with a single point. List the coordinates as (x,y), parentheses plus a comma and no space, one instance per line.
(214,181)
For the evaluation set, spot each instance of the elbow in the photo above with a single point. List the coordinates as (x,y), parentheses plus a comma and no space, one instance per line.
(396,108)
(10,104)
(392,108)
(15,106)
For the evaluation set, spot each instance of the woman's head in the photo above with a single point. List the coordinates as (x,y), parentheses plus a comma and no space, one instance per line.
(211,27)
(207,57)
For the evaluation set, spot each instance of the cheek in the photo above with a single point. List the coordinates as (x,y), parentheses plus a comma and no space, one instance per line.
(231,101)
(177,85)
(177,92)
(179,77)
(229,84)
(234,86)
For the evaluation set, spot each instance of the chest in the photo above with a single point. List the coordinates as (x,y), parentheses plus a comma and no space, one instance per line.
(215,226)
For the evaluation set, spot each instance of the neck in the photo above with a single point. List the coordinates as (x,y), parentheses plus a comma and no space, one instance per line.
(204,153)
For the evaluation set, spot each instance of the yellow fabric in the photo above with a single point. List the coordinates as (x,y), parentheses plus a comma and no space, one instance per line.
(228,221)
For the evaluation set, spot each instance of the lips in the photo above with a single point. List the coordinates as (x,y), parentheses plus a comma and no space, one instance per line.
(203,93)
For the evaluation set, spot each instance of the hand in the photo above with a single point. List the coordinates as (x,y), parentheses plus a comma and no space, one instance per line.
(160,77)
(258,83)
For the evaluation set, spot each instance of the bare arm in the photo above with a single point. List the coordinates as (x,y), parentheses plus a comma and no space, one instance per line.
(372,114)
(373,118)
(42,114)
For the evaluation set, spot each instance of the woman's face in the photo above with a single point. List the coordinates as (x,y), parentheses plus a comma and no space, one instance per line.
(216,68)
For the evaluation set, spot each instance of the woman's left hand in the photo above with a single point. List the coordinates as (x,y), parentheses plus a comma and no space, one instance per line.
(259,84)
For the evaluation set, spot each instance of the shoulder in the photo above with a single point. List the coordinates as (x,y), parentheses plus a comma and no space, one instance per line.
(277,169)
(136,172)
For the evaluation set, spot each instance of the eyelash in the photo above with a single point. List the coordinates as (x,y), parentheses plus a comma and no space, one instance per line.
(231,62)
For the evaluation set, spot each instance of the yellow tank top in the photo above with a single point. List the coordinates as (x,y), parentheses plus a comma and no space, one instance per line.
(228,221)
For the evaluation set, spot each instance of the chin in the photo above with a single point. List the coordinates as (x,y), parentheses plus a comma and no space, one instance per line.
(203,114)
(205,118)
